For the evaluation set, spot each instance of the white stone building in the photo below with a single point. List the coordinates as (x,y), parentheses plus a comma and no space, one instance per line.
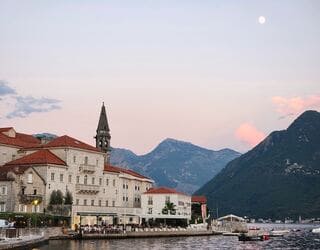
(153,203)
(101,192)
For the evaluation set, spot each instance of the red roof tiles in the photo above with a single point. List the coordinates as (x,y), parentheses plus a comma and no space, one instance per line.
(20,140)
(199,199)
(163,190)
(15,169)
(42,156)
(67,141)
(115,169)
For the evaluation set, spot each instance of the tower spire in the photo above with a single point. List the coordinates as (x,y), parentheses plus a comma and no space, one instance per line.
(103,136)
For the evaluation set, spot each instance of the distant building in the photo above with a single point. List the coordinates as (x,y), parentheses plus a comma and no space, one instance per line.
(199,208)
(154,203)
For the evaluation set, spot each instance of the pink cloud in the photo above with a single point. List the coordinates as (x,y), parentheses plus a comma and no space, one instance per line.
(295,105)
(248,134)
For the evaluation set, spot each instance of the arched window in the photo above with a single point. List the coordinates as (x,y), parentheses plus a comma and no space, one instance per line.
(85,179)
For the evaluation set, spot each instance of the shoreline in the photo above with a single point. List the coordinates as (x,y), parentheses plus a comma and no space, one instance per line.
(17,244)
(130,235)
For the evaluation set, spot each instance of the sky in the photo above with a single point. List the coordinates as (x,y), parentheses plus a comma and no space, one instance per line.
(206,72)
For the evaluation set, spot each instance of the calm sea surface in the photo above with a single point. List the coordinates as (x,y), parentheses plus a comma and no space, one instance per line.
(302,239)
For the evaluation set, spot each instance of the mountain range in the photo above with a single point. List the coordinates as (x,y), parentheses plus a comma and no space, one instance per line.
(278,178)
(176,164)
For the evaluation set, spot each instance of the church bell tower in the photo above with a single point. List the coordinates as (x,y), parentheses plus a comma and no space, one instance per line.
(103,136)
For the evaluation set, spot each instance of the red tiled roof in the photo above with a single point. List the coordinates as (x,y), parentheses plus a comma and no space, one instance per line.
(15,169)
(115,169)
(67,141)
(163,190)
(5,129)
(42,156)
(199,199)
(20,140)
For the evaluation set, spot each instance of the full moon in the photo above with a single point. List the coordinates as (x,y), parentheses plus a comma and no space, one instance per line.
(262,19)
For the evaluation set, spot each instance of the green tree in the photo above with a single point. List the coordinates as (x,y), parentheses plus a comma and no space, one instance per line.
(53,198)
(68,199)
(169,208)
(59,197)
(56,197)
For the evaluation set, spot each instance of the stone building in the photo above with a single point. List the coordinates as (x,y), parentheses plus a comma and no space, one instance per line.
(27,186)
(101,192)
(154,206)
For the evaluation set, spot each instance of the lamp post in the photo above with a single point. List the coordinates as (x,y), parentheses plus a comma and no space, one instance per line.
(35,204)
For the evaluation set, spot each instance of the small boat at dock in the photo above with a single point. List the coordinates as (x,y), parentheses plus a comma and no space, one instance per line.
(278,233)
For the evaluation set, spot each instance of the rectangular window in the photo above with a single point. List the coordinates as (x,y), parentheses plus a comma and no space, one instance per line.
(114,183)
(150,201)
(100,181)
(77,201)
(113,203)
(107,203)
(92,182)
(74,159)
(127,198)
(52,176)
(78,179)
(99,203)
(167,199)
(123,198)
(127,186)
(70,178)
(150,210)
(2,207)
(29,177)
(107,182)
(4,190)
(92,202)
(124,186)
(85,202)
(86,160)
(61,177)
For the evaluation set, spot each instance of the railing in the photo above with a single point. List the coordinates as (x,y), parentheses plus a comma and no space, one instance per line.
(82,188)
(103,209)
(86,168)
(29,198)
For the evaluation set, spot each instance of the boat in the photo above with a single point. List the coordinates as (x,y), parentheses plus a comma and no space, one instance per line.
(278,233)
(316,230)
(256,237)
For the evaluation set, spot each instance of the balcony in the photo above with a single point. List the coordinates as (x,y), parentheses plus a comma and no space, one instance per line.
(30,198)
(87,189)
(87,168)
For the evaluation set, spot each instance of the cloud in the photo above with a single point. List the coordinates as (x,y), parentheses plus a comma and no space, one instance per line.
(5,89)
(295,105)
(28,104)
(249,135)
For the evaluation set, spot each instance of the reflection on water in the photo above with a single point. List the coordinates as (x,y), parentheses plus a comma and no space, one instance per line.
(303,239)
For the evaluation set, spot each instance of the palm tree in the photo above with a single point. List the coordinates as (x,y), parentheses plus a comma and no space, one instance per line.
(169,208)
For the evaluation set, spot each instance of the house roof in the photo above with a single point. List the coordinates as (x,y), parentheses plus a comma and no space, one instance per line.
(19,140)
(110,168)
(15,169)
(231,217)
(163,190)
(66,141)
(199,199)
(43,156)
